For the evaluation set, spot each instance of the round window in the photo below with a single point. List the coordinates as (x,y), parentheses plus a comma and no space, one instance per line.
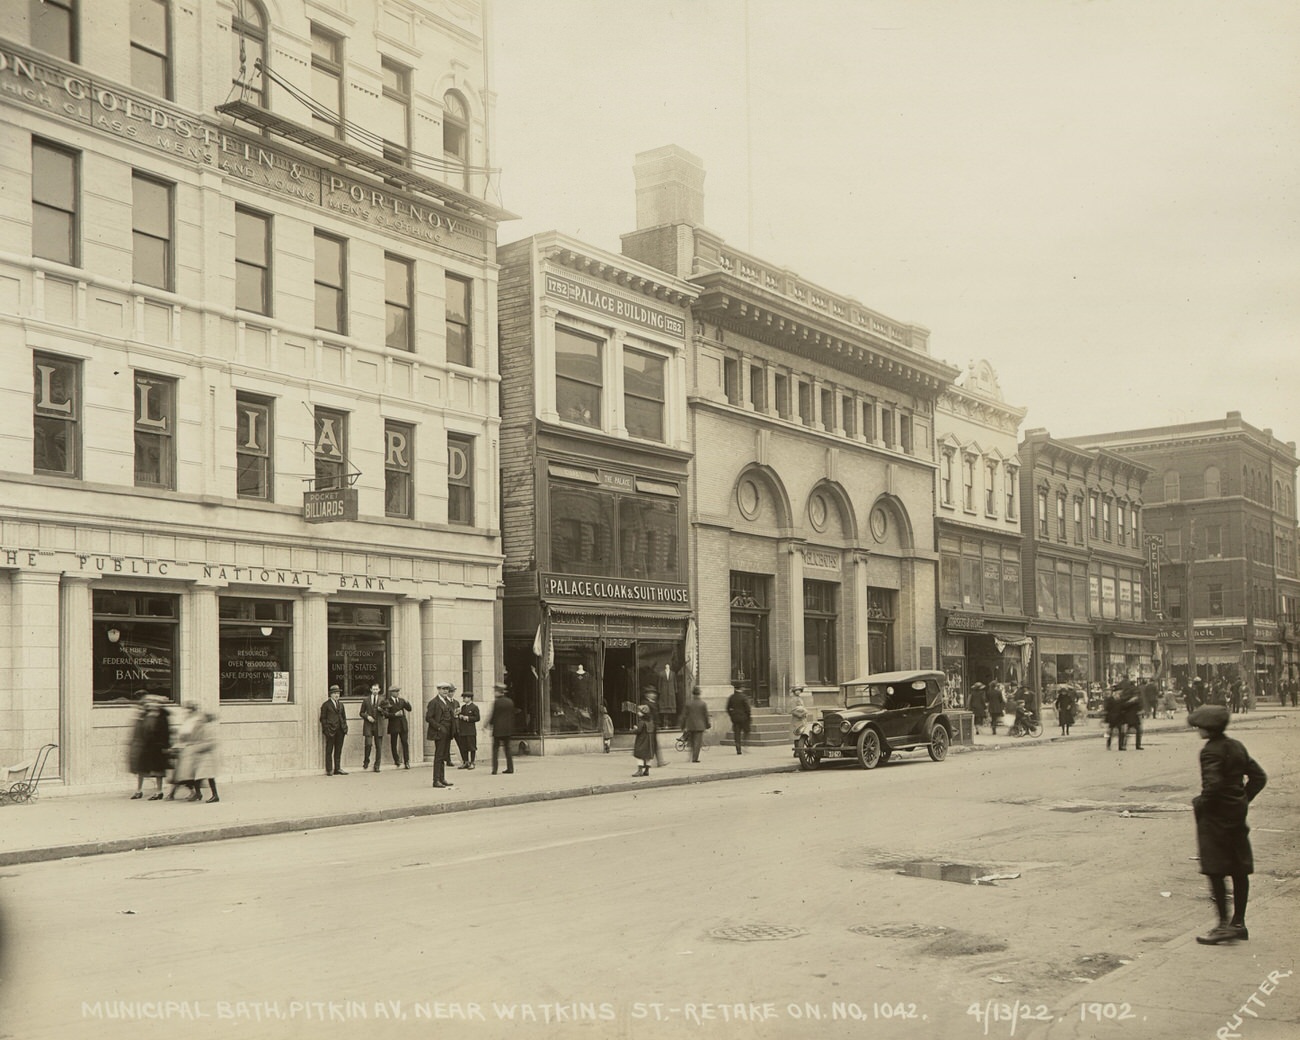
(748,499)
(879,524)
(818,511)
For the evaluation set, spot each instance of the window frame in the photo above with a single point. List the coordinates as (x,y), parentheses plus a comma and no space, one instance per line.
(630,398)
(163,438)
(69,212)
(320,285)
(461,325)
(249,450)
(245,263)
(404,307)
(244,28)
(455,123)
(140,48)
(578,380)
(144,235)
(40,10)
(323,461)
(327,62)
(460,505)
(67,413)
(399,473)
(396,94)
(821,630)
(991,487)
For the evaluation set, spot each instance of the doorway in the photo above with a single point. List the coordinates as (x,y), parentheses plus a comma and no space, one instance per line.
(619,685)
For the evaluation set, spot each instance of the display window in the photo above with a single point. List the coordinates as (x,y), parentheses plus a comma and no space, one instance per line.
(255,650)
(134,646)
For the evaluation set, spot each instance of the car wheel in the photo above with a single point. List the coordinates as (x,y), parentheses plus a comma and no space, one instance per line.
(939,743)
(869,752)
(808,758)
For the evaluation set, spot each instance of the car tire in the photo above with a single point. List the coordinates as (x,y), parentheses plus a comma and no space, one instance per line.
(869,748)
(939,743)
(808,758)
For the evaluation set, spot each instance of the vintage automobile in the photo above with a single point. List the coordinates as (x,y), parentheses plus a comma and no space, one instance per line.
(883,713)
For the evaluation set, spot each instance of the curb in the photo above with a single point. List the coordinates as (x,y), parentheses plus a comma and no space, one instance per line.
(348,819)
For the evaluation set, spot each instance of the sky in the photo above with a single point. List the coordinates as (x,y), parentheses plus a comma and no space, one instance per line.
(1100,197)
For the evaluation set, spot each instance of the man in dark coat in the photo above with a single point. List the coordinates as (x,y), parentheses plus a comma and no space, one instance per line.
(997,705)
(502,723)
(395,707)
(695,720)
(440,719)
(334,727)
(374,724)
(979,704)
(741,715)
(1230,780)
(1130,714)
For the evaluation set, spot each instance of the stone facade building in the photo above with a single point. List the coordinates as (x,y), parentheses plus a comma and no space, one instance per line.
(247,301)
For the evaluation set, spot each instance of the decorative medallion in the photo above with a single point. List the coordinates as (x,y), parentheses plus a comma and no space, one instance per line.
(879,524)
(818,512)
(748,498)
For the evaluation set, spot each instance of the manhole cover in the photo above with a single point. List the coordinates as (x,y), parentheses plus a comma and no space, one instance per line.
(899,931)
(757,932)
(958,873)
(160,875)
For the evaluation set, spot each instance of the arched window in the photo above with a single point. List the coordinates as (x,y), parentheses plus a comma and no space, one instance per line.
(1212,482)
(1171,486)
(455,133)
(248,31)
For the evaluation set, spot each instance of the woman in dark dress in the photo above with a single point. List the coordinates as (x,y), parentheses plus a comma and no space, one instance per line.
(644,745)
(979,704)
(1230,779)
(150,740)
(1065,700)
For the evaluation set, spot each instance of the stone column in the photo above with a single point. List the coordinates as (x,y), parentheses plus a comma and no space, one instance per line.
(35,631)
(311,679)
(793,555)
(76,703)
(202,683)
(861,618)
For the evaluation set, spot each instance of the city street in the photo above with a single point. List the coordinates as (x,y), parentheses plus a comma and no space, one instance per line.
(745,908)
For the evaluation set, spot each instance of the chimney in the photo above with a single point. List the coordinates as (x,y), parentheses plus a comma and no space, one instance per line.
(669,188)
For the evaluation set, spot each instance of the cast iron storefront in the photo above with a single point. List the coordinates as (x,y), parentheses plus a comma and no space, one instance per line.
(976,648)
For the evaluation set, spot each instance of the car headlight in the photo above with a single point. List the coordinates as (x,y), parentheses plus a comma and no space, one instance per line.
(846,726)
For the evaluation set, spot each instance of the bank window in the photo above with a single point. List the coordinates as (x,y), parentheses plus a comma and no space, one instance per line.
(991,488)
(327,81)
(395,112)
(460,480)
(781,388)
(968,483)
(54,27)
(255,649)
(579,377)
(55,193)
(56,442)
(398,296)
(455,133)
(1078,521)
(252,261)
(905,434)
(133,643)
(155,431)
(805,402)
(945,478)
(253,441)
(1094,531)
(820,620)
(643,395)
(582,531)
(849,416)
(248,29)
(1216,600)
(331,283)
(460,338)
(150,51)
(399,470)
(758,387)
(647,538)
(151,231)
(1105,519)
(331,450)
(1012,475)
(358,647)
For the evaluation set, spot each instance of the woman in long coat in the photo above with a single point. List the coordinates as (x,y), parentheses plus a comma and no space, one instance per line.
(1065,701)
(644,745)
(196,754)
(150,738)
(979,704)
(1230,780)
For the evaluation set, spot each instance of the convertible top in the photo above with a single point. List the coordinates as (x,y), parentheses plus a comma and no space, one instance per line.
(896,677)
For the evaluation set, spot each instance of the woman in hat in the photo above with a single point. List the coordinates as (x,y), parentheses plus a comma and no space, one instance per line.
(150,738)
(979,704)
(644,745)
(1230,779)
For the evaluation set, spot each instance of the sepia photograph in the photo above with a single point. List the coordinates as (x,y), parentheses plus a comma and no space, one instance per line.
(835,459)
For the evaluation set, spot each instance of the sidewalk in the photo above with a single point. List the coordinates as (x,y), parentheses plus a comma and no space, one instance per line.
(57,826)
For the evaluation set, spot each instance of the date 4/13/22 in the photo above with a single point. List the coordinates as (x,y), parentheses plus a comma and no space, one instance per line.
(998,1016)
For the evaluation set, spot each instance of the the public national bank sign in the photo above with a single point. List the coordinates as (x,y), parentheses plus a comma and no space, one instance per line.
(577,589)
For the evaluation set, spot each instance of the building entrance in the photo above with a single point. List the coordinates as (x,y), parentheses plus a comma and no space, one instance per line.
(619,682)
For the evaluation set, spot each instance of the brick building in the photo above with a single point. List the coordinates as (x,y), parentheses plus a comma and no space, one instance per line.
(1221,504)
(230,310)
(595,454)
(811,493)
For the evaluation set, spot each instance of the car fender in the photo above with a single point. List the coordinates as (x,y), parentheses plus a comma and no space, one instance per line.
(938,718)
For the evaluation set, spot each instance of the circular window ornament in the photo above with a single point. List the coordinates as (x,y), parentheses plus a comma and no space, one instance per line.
(879,524)
(748,499)
(818,511)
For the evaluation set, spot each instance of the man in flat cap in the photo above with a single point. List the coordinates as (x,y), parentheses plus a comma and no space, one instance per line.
(395,707)
(1230,780)
(440,722)
(334,727)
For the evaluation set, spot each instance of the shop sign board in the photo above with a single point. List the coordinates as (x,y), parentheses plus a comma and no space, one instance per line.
(632,311)
(965,623)
(323,507)
(637,593)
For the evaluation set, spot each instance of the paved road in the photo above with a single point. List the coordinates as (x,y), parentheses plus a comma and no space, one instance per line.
(718,910)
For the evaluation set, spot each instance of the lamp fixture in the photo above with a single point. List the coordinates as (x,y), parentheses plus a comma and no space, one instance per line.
(267,630)
(113,635)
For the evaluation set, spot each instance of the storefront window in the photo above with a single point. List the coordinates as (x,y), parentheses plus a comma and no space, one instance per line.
(358,647)
(575,692)
(255,649)
(647,533)
(820,620)
(134,637)
(660,665)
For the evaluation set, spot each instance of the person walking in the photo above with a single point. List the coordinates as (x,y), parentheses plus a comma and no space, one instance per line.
(467,717)
(150,738)
(1113,712)
(1065,701)
(334,727)
(695,720)
(798,712)
(1230,780)
(606,729)
(1130,715)
(643,747)
(206,743)
(188,745)
(502,723)
(652,702)
(997,705)
(440,720)
(742,716)
(374,724)
(979,704)
(395,707)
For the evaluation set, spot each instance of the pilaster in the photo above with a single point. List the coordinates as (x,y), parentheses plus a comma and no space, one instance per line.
(76,706)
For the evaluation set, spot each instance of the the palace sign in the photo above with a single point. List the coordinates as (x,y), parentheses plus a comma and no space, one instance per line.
(621,590)
(618,306)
